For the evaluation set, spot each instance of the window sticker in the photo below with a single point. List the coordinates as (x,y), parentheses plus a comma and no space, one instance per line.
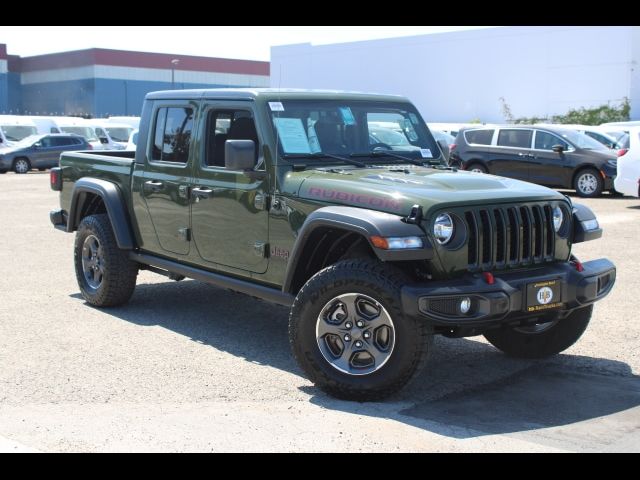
(426,153)
(276,106)
(292,135)
(347,116)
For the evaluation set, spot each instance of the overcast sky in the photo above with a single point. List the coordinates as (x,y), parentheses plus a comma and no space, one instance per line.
(252,43)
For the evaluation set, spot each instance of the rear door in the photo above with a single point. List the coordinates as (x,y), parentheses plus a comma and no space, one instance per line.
(47,154)
(511,155)
(229,208)
(548,167)
(167,174)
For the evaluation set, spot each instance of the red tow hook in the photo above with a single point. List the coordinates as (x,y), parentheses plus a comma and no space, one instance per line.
(489,278)
(576,263)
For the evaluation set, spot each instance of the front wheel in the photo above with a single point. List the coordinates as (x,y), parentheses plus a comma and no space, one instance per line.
(588,183)
(542,339)
(349,334)
(21,165)
(105,274)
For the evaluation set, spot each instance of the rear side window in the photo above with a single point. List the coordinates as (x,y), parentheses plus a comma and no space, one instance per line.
(515,138)
(172,134)
(479,137)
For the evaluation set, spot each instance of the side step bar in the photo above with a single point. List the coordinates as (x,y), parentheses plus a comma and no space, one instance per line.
(269,294)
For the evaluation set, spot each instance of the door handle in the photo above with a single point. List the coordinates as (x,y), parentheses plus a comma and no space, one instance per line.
(199,192)
(153,186)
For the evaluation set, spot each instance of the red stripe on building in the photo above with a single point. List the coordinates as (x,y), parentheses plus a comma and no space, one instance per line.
(121,58)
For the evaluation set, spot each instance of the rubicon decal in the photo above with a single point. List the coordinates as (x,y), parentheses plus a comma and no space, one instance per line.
(356,198)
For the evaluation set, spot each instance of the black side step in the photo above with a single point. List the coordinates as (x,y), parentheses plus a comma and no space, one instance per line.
(269,294)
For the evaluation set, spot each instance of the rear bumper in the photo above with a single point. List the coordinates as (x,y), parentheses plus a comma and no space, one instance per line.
(59,219)
(506,300)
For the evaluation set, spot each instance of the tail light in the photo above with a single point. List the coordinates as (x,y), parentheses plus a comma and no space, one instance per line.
(452,147)
(89,146)
(622,151)
(55,179)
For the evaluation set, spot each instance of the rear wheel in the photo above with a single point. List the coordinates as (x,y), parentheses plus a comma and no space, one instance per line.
(348,332)
(21,165)
(478,168)
(542,339)
(588,183)
(105,274)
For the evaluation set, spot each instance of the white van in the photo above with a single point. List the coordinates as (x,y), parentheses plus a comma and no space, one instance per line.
(131,121)
(117,133)
(45,124)
(79,126)
(14,128)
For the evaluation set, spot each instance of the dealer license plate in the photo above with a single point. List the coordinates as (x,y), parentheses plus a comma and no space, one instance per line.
(544,295)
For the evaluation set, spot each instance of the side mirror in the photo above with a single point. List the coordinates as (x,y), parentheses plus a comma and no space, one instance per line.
(558,148)
(103,140)
(239,154)
(37,145)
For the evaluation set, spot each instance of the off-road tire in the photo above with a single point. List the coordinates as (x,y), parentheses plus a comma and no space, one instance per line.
(548,342)
(118,279)
(371,278)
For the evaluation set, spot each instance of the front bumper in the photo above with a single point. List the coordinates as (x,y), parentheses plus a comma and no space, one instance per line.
(505,301)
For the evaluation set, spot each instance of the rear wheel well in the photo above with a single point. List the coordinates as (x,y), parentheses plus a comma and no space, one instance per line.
(475,161)
(88,204)
(326,246)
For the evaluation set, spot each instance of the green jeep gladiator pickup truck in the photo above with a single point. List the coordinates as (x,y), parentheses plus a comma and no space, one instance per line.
(340,206)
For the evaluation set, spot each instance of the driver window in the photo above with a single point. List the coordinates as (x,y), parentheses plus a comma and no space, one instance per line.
(223,125)
(46,142)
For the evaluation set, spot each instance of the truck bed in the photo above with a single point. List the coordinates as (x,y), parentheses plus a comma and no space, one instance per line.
(112,165)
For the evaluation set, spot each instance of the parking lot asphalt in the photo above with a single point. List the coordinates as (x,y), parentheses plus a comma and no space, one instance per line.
(189,367)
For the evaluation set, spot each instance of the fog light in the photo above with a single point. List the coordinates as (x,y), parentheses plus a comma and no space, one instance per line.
(465,305)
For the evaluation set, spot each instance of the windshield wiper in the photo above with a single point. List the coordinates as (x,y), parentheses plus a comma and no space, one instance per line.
(386,153)
(325,155)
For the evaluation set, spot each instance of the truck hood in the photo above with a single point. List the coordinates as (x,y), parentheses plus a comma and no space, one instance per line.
(397,189)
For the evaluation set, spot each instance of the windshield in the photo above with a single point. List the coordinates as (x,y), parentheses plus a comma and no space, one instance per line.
(85,132)
(14,133)
(581,140)
(119,134)
(351,128)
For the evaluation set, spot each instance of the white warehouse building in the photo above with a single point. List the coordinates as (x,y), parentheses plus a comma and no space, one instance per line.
(462,76)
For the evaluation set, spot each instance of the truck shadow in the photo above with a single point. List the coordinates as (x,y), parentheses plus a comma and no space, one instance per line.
(449,397)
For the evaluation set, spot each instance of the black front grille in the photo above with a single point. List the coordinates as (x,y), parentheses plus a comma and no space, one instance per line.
(444,306)
(509,236)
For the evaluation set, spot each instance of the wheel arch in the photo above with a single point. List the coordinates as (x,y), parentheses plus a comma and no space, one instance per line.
(332,233)
(92,195)
(580,169)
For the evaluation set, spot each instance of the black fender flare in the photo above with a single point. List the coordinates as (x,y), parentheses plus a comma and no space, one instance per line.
(114,203)
(365,222)
(582,213)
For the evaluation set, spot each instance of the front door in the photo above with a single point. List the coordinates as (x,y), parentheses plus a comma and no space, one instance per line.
(46,153)
(229,208)
(167,175)
(548,167)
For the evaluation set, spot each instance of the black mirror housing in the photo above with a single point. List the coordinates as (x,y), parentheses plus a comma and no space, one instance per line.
(239,154)
(103,140)
(558,148)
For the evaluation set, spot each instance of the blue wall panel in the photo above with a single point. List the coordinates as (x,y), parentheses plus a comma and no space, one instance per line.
(74,97)
(125,97)
(4,93)
(15,93)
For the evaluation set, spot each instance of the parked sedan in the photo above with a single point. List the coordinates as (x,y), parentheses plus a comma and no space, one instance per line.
(628,179)
(554,157)
(39,151)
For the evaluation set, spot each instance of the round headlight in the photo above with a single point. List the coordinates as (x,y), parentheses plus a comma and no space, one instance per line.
(443,228)
(558,217)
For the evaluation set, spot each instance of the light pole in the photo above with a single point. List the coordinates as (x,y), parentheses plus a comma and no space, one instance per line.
(174,64)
